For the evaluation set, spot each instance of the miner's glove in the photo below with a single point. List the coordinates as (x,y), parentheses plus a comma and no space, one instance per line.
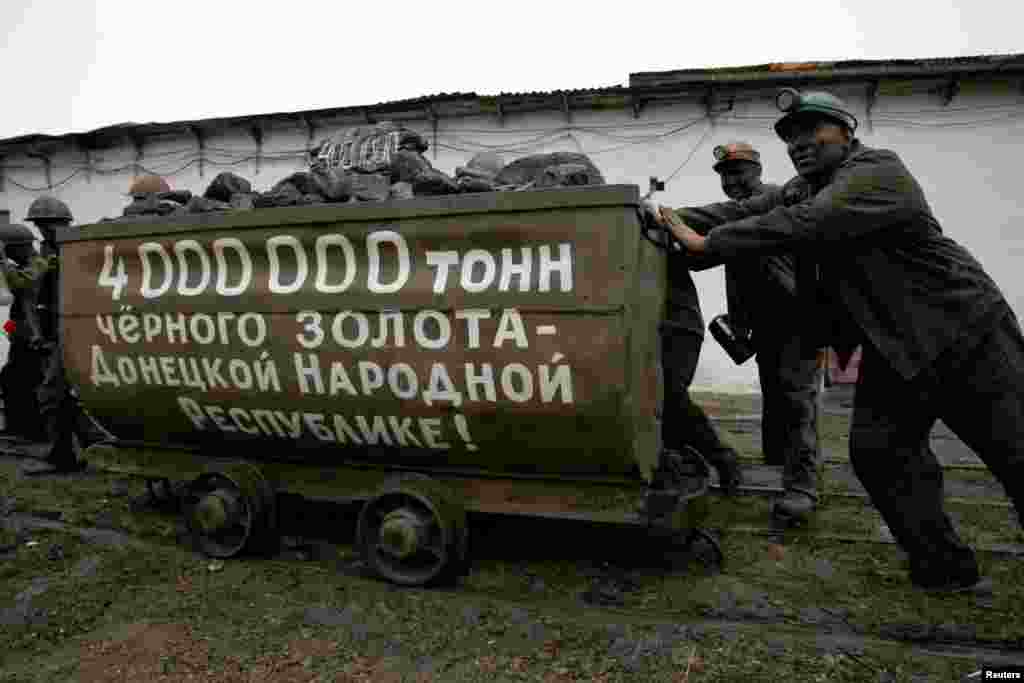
(654,228)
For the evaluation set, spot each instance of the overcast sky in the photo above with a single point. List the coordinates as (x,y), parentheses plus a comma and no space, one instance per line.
(76,65)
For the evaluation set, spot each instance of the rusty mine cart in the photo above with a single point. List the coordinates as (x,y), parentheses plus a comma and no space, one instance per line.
(492,353)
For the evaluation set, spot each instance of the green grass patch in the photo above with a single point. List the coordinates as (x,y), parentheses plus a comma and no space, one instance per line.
(518,616)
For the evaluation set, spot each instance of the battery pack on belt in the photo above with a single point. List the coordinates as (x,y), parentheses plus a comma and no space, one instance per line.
(739,348)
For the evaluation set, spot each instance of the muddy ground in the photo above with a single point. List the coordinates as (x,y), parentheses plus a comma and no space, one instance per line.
(96,587)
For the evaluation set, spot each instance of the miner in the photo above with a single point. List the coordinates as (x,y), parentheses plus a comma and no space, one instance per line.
(59,410)
(22,372)
(764,308)
(684,423)
(939,338)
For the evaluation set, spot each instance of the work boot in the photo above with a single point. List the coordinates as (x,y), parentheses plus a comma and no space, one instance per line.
(726,464)
(796,506)
(61,453)
(678,476)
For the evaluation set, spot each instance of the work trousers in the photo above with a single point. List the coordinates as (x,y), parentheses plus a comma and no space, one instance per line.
(58,410)
(52,392)
(788,371)
(19,381)
(684,423)
(977,389)
(761,298)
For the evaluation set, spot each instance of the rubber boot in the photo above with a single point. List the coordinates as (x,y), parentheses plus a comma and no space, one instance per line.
(796,506)
(677,475)
(726,464)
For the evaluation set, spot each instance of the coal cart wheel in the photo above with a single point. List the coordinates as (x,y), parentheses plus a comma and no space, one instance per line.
(231,511)
(413,533)
(703,546)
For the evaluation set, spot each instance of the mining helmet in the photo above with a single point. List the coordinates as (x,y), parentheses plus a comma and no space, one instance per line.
(148,184)
(794,103)
(48,208)
(735,151)
(15,233)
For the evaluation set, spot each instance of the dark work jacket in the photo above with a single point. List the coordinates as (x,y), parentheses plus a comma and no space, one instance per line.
(23,282)
(888,274)
(18,284)
(47,297)
(682,310)
(682,307)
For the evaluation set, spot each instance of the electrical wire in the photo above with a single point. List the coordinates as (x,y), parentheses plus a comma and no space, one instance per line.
(511,148)
(453,140)
(957,109)
(945,124)
(529,143)
(518,143)
(589,127)
(700,142)
(43,189)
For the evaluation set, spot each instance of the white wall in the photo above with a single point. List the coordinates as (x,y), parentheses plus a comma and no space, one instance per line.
(964,155)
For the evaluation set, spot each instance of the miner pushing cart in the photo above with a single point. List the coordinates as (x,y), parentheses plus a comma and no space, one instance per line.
(427,357)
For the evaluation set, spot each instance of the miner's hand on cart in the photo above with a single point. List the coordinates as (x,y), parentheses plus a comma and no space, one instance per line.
(657,229)
(678,236)
(683,235)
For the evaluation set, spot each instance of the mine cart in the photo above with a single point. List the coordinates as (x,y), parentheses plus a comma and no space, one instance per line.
(495,353)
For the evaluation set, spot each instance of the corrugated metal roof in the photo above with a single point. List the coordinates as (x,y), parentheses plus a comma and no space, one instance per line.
(574,91)
(380,108)
(639,84)
(824,70)
(156,128)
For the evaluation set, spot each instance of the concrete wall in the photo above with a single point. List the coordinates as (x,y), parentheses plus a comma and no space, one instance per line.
(962,153)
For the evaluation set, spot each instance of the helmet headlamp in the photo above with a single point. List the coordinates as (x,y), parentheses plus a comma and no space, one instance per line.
(788,99)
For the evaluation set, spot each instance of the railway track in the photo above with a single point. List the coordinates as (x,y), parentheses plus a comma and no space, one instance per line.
(831,631)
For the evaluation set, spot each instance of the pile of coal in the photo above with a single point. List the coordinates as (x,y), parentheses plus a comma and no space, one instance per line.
(387,161)
(152,196)
(558,169)
(157,204)
(295,190)
(366,164)
(480,174)
(227,191)
(383,161)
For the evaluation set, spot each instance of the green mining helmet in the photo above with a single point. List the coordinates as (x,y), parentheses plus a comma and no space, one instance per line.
(795,103)
(48,208)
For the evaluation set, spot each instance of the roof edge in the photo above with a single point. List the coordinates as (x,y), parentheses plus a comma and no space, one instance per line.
(834,70)
(640,84)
